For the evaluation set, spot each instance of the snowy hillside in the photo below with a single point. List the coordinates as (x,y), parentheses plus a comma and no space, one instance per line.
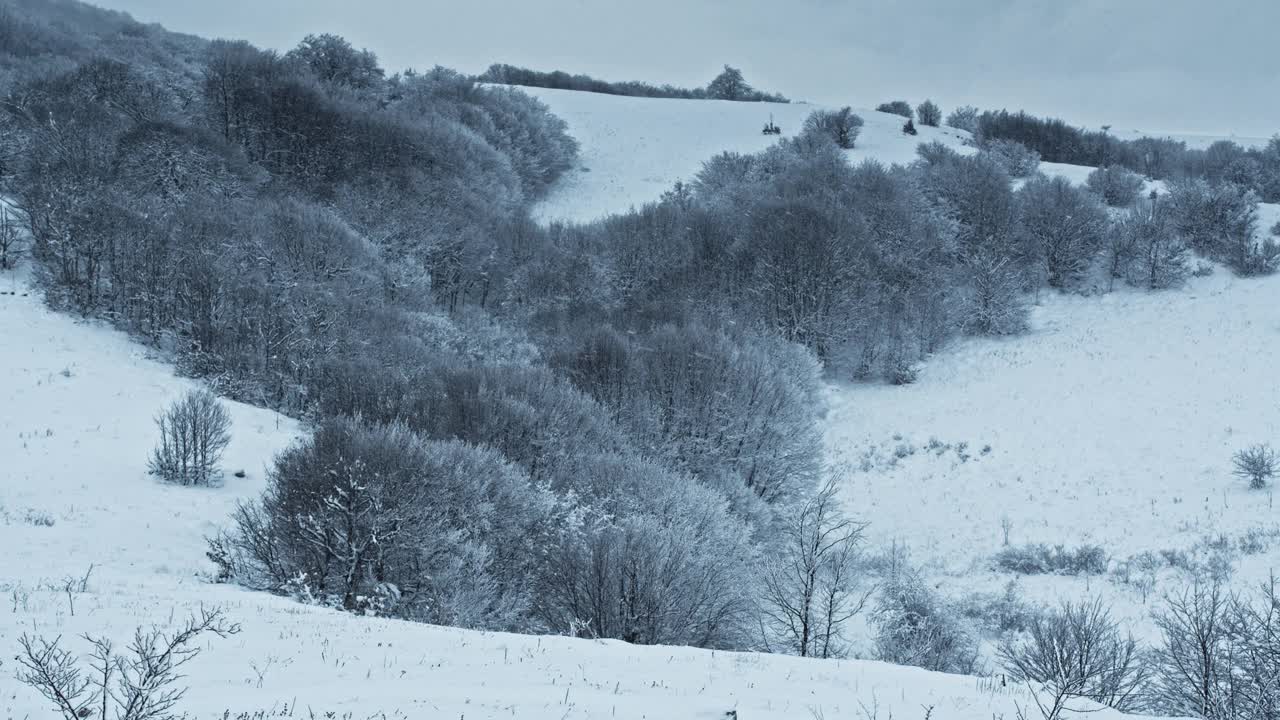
(76,502)
(634,149)
(1112,422)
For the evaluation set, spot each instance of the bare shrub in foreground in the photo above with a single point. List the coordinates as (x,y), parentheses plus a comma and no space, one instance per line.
(139,684)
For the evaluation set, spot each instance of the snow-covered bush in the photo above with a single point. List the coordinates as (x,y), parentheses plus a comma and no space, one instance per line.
(373,518)
(1257,464)
(1017,159)
(1117,186)
(1042,559)
(194,431)
(914,626)
(1077,652)
(841,125)
(992,303)
(896,107)
(998,613)
(928,113)
(935,152)
(1219,221)
(1143,247)
(1064,227)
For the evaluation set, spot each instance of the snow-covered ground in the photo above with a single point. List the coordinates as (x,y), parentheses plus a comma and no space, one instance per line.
(76,407)
(1195,141)
(1113,422)
(634,149)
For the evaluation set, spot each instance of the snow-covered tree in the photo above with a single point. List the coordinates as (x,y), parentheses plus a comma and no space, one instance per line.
(928,113)
(964,117)
(1065,226)
(842,126)
(1117,186)
(729,85)
(896,107)
(333,60)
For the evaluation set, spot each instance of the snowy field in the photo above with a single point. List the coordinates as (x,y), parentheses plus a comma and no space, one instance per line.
(634,149)
(76,504)
(1112,422)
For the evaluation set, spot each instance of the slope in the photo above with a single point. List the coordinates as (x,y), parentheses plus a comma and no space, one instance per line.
(634,149)
(93,545)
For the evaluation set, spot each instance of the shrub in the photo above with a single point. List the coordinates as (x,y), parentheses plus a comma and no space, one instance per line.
(1017,159)
(1145,249)
(896,107)
(934,152)
(139,685)
(1257,464)
(909,128)
(372,518)
(914,626)
(1275,229)
(1116,186)
(1064,226)
(193,433)
(1219,221)
(964,117)
(1077,652)
(1042,559)
(841,125)
(928,113)
(999,613)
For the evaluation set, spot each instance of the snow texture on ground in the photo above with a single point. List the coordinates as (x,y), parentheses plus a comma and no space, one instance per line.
(634,149)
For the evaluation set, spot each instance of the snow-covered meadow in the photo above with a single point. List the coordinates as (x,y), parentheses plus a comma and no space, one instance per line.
(634,149)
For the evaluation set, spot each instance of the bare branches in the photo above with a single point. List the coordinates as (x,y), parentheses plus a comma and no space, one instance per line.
(809,588)
(139,685)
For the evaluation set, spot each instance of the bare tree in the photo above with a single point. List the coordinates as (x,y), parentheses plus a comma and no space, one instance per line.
(193,433)
(9,239)
(1257,464)
(138,685)
(1191,665)
(1075,653)
(810,586)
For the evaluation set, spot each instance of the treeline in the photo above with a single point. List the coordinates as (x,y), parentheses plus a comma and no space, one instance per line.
(1256,169)
(729,85)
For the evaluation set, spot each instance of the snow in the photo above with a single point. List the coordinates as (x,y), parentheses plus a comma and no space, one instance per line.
(1195,141)
(76,405)
(1112,422)
(634,149)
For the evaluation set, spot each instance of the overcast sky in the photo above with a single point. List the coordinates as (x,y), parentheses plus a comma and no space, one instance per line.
(1156,65)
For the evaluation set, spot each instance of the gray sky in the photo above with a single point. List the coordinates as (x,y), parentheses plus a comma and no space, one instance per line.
(1156,65)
